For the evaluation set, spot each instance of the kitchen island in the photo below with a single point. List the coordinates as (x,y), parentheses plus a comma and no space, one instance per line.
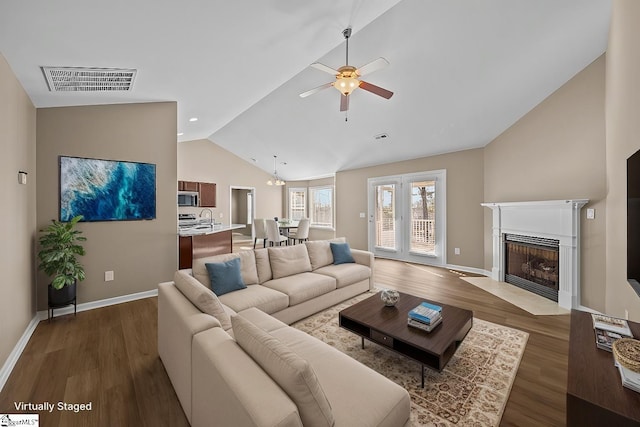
(204,240)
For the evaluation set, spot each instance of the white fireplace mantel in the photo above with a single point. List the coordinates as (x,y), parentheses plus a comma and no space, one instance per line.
(551,219)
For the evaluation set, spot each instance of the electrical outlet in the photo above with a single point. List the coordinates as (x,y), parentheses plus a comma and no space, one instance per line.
(363,215)
(626,314)
(591,213)
(108,276)
(221,215)
(456,251)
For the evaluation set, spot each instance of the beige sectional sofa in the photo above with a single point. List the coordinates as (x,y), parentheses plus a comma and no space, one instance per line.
(271,374)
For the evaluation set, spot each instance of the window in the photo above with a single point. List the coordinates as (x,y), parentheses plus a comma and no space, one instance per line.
(321,206)
(297,203)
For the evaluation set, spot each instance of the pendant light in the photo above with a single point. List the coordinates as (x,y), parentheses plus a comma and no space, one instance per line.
(275,179)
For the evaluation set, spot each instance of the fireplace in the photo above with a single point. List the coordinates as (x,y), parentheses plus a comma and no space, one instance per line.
(532,263)
(556,221)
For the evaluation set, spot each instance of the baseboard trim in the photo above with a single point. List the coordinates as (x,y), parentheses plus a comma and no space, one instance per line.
(468,269)
(15,354)
(100,303)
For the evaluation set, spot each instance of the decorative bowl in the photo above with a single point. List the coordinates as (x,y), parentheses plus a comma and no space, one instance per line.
(389,297)
(627,352)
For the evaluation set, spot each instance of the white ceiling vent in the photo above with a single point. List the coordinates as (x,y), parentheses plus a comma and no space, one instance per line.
(81,79)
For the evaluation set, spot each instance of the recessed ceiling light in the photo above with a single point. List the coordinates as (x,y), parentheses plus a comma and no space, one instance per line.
(180,133)
(193,119)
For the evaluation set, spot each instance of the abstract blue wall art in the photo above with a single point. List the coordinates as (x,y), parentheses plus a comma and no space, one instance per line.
(106,190)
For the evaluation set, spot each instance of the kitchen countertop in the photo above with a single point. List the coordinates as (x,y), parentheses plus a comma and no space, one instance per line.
(201,229)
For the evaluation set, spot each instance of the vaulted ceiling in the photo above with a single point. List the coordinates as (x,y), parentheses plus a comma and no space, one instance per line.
(461,71)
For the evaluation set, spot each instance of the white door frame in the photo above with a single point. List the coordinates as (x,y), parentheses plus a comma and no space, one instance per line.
(252,190)
(403,215)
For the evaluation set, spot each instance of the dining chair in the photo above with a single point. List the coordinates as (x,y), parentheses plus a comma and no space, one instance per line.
(273,233)
(259,232)
(301,233)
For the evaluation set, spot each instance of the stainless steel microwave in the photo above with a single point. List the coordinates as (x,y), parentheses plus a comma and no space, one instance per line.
(187,198)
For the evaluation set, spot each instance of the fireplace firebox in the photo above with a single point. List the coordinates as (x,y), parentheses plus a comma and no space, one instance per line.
(532,263)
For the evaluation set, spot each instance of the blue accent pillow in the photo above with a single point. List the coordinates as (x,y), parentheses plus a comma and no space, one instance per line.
(341,253)
(225,276)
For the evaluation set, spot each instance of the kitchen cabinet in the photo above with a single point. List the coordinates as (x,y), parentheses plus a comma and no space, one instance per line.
(207,194)
(187,186)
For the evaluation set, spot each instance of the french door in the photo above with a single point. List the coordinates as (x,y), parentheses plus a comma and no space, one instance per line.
(407,217)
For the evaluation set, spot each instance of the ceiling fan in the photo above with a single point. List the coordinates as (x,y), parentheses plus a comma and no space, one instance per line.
(347,77)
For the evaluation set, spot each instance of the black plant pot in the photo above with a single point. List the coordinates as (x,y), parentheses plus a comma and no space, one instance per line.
(63,296)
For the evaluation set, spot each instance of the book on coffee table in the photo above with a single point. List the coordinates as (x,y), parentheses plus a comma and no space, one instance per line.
(424,326)
(426,313)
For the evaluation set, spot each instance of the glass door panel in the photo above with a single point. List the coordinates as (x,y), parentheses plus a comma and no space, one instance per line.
(385,216)
(422,217)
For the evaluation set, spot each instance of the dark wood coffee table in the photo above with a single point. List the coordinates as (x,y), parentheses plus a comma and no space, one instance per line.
(387,326)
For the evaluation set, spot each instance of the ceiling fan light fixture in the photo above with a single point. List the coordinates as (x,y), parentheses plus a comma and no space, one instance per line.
(346,85)
(348,77)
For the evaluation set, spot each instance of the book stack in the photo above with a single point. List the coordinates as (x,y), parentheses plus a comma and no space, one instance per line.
(426,316)
(609,329)
(630,379)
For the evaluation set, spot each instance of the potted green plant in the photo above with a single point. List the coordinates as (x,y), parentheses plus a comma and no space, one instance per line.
(59,248)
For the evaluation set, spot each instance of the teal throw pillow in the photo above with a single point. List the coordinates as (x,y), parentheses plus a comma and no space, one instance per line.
(225,276)
(341,253)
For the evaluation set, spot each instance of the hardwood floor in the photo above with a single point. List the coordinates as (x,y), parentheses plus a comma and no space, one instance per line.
(109,357)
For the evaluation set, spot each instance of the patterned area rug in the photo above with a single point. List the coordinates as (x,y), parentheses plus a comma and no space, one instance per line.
(472,390)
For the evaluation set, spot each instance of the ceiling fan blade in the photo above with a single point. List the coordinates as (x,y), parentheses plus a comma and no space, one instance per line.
(376,89)
(315,89)
(325,68)
(344,102)
(372,66)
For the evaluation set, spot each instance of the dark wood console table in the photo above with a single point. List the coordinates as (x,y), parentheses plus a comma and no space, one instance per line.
(595,396)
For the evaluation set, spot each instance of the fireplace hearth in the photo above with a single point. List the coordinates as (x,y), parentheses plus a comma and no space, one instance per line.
(532,263)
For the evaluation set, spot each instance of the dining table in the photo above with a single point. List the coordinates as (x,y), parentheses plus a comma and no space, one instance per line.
(286,226)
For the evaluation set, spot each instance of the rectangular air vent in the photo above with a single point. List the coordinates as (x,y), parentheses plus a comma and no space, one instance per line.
(82,79)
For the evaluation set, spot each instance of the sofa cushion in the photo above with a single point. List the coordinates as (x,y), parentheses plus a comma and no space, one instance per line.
(346,274)
(261,297)
(302,287)
(372,400)
(341,253)
(262,265)
(290,371)
(262,320)
(320,252)
(289,260)
(247,267)
(202,297)
(225,276)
